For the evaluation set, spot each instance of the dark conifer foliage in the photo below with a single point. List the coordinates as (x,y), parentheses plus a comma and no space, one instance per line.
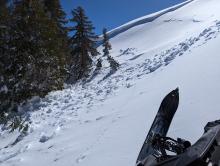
(99,64)
(56,14)
(38,60)
(5,93)
(83,44)
(106,48)
(114,65)
(106,45)
(36,54)
(54,11)
(33,54)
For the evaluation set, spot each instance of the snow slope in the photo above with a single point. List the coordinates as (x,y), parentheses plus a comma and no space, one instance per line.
(105,120)
(144,19)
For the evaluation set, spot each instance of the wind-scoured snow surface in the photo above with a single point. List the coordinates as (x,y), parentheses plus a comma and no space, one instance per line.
(105,121)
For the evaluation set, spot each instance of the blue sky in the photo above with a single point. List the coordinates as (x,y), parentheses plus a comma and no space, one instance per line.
(113,13)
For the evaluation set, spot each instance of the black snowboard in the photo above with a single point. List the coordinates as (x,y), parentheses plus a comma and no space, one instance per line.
(161,122)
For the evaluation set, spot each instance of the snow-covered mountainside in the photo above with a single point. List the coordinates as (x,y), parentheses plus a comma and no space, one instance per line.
(105,121)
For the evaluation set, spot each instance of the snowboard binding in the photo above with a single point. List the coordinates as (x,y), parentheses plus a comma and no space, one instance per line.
(163,145)
(160,150)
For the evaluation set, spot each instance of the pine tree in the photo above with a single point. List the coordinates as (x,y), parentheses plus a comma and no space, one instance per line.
(52,44)
(25,44)
(4,60)
(106,48)
(56,14)
(83,44)
(32,55)
(114,65)
(38,62)
(4,32)
(98,64)
(54,11)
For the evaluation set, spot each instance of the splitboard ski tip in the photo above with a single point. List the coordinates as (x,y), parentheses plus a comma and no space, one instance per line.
(161,123)
(154,152)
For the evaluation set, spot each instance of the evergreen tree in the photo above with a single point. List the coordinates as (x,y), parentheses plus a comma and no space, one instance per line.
(4,9)
(98,66)
(56,14)
(114,65)
(4,33)
(37,61)
(106,45)
(106,48)
(25,41)
(33,55)
(4,60)
(82,43)
(54,11)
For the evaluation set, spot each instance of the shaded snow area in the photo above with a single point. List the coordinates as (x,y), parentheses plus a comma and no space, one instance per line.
(105,121)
